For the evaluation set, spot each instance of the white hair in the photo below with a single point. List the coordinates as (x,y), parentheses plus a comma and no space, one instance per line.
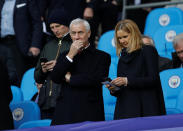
(79,21)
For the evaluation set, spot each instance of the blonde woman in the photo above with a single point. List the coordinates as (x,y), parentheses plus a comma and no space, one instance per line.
(140,91)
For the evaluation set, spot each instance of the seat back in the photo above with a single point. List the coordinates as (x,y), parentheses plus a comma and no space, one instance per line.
(179,105)
(172,85)
(163,39)
(24,111)
(17,94)
(28,86)
(106,44)
(36,123)
(162,17)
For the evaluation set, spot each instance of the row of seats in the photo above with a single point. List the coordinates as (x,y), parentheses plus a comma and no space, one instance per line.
(24,93)
(172,85)
(163,24)
(24,110)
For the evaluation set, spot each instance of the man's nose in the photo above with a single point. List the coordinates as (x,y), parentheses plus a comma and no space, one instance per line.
(77,36)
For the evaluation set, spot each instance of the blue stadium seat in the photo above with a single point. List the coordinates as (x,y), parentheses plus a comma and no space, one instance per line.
(28,86)
(162,17)
(17,94)
(179,104)
(106,44)
(172,85)
(24,111)
(163,39)
(36,123)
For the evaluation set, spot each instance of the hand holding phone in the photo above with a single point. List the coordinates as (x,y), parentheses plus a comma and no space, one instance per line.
(107,81)
(43,59)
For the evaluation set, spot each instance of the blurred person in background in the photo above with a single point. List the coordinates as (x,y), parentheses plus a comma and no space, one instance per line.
(10,65)
(164,63)
(21,32)
(6,119)
(74,8)
(107,14)
(139,15)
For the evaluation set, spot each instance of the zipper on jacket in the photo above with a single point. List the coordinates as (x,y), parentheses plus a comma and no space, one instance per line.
(58,52)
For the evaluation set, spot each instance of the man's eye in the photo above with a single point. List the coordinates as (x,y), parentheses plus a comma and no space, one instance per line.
(81,33)
(72,33)
(179,52)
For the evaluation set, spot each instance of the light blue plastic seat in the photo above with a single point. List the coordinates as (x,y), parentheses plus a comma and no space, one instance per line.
(163,39)
(36,123)
(172,85)
(28,86)
(106,44)
(24,111)
(162,17)
(17,94)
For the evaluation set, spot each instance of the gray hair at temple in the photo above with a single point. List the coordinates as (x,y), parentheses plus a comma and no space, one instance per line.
(177,39)
(148,40)
(79,21)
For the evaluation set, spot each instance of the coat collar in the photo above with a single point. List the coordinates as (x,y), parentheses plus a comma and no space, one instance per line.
(128,57)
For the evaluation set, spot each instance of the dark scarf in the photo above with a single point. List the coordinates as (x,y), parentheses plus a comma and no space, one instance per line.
(127,57)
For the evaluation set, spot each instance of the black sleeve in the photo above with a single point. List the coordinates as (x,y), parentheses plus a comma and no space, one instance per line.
(37,28)
(61,68)
(39,76)
(12,72)
(5,93)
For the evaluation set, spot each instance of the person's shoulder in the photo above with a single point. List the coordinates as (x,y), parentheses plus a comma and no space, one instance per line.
(51,43)
(148,49)
(67,37)
(100,52)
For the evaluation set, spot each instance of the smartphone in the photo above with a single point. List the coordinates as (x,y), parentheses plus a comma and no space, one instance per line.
(108,81)
(43,59)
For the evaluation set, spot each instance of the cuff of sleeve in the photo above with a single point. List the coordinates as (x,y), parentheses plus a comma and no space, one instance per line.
(126,83)
(69,59)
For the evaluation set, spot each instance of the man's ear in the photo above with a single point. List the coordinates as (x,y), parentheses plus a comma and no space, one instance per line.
(89,33)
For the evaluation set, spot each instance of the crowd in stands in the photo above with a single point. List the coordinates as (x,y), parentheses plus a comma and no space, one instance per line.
(58,39)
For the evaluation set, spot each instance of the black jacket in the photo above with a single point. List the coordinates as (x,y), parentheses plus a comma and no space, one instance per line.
(46,100)
(143,95)
(27,24)
(81,99)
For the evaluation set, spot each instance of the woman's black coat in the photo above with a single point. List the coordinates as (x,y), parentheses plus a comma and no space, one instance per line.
(143,95)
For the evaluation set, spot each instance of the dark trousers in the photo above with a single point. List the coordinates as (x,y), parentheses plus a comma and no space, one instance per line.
(47,114)
(19,58)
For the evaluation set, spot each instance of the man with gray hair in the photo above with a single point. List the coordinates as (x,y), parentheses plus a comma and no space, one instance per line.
(81,71)
(177,56)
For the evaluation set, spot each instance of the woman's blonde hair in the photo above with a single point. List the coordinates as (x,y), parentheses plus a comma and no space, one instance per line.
(135,41)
